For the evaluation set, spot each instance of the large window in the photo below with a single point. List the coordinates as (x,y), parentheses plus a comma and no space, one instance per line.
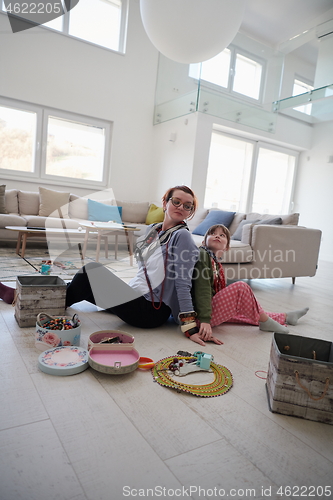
(102,22)
(52,144)
(249,176)
(233,70)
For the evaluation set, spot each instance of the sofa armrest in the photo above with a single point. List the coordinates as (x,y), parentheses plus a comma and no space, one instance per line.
(292,249)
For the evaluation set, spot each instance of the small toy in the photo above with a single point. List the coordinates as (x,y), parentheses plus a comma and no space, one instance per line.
(199,361)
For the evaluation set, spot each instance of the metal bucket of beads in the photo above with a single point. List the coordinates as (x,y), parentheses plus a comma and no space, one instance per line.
(57,331)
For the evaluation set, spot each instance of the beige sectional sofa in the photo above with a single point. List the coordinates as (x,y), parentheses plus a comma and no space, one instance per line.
(262,250)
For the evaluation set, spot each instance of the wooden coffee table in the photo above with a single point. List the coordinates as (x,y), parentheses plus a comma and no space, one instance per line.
(24,233)
(106,229)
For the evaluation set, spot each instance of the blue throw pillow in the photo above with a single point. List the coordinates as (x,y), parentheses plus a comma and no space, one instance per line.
(103,213)
(214,217)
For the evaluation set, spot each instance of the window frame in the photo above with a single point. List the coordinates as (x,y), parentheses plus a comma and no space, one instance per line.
(65,27)
(306,109)
(40,143)
(234,49)
(257,144)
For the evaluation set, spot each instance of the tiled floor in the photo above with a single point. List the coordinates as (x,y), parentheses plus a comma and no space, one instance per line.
(101,437)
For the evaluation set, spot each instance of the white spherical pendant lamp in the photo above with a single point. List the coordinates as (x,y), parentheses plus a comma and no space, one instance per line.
(191,31)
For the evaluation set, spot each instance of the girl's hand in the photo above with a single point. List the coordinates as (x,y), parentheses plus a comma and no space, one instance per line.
(205,331)
(197,338)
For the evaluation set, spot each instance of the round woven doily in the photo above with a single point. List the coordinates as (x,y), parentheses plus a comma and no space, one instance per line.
(221,384)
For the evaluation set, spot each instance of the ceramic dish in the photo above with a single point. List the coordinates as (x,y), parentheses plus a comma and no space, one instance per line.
(63,360)
(96,337)
(113,359)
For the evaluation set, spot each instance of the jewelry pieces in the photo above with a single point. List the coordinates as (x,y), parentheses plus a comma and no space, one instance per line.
(222,382)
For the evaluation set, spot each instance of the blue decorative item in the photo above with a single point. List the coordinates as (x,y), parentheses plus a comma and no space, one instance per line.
(212,218)
(103,213)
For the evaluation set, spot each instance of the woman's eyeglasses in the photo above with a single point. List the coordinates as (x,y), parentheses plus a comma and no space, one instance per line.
(188,206)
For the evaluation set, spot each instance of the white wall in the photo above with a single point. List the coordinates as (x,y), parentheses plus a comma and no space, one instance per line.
(314,199)
(324,69)
(47,68)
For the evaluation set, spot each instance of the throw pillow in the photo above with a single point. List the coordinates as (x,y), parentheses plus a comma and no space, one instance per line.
(103,213)
(238,233)
(273,220)
(214,217)
(155,214)
(53,201)
(134,211)
(2,199)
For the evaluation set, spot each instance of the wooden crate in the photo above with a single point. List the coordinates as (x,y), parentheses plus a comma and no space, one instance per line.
(36,294)
(300,377)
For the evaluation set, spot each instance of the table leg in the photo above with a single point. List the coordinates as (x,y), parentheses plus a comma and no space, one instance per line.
(24,244)
(85,243)
(129,236)
(19,241)
(106,246)
(116,246)
(99,234)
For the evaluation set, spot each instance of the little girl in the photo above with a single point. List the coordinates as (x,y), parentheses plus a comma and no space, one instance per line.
(216,304)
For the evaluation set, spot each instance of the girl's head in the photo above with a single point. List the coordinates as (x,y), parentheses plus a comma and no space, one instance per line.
(216,233)
(181,198)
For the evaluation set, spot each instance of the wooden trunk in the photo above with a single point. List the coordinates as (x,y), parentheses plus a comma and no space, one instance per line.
(300,377)
(36,294)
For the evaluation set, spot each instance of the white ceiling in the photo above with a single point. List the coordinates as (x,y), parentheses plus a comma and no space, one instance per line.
(276,21)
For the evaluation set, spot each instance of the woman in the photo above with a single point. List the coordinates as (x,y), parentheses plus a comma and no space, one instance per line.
(216,304)
(162,287)
(166,258)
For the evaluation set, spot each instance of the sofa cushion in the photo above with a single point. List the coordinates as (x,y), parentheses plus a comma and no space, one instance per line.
(271,222)
(11,197)
(239,216)
(50,222)
(28,203)
(287,219)
(11,220)
(212,218)
(104,213)
(135,211)
(239,231)
(2,199)
(78,207)
(155,214)
(198,217)
(53,202)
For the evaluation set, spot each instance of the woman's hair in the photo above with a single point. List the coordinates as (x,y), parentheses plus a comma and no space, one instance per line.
(212,230)
(169,193)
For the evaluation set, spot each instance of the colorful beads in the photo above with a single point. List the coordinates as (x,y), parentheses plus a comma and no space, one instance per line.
(59,324)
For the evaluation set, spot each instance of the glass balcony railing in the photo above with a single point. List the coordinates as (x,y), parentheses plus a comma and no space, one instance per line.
(315,105)
(181,90)
(227,108)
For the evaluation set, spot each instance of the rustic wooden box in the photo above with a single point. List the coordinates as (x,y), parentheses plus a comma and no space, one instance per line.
(300,377)
(37,294)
